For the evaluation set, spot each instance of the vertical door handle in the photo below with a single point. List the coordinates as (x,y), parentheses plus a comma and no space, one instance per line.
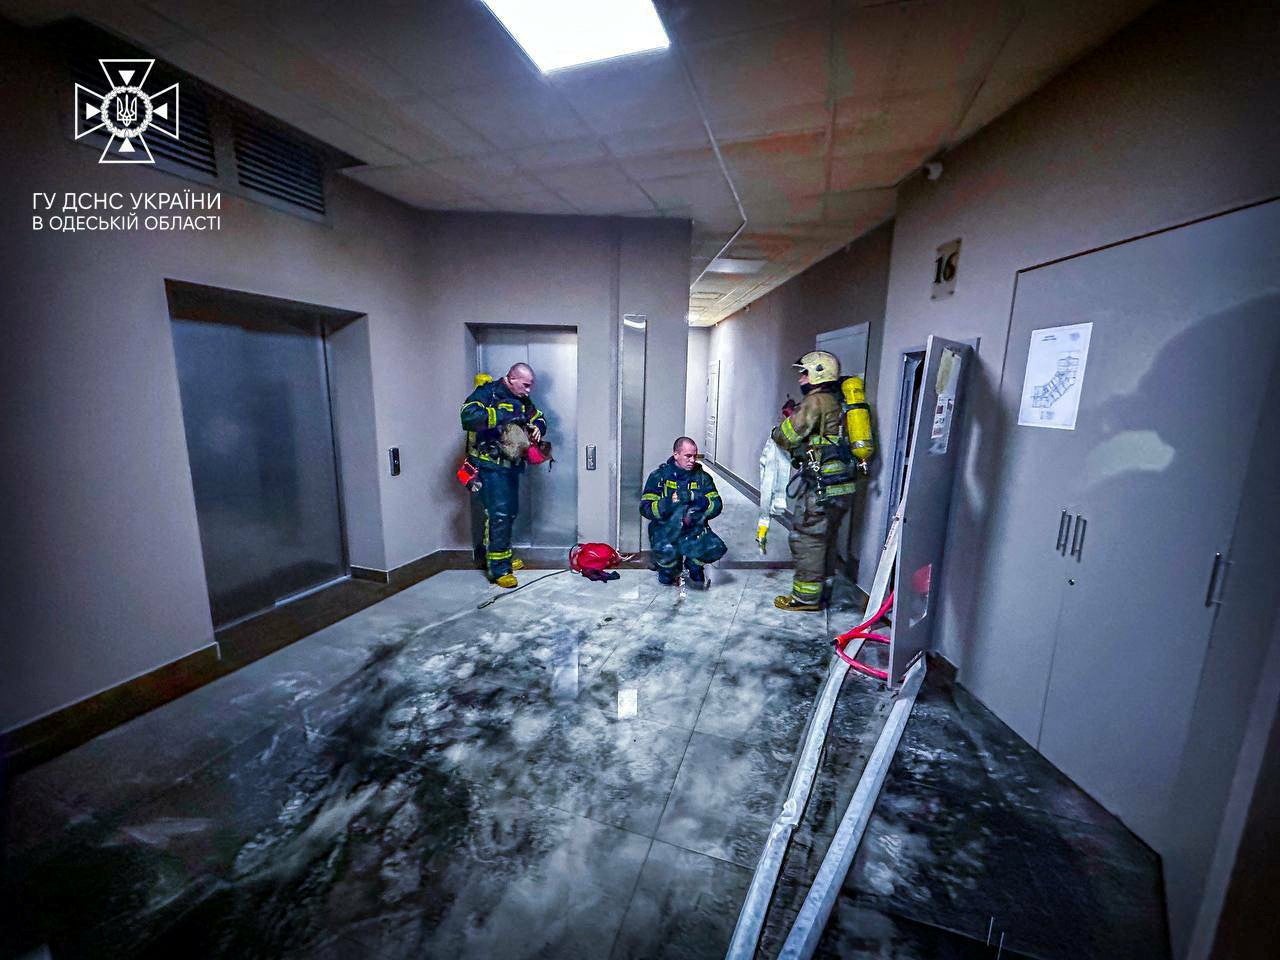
(1217,581)
(1064,530)
(1077,538)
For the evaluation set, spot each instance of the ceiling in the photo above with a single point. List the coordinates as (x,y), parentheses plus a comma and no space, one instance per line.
(818,107)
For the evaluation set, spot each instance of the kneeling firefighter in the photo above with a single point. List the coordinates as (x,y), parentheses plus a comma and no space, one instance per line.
(504,430)
(829,439)
(679,499)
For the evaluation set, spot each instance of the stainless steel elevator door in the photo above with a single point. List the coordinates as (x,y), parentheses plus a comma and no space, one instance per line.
(255,408)
(548,494)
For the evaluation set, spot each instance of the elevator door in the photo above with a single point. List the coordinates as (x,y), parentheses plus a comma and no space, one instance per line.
(255,408)
(548,494)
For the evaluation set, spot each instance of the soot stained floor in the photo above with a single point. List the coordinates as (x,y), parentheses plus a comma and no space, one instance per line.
(579,770)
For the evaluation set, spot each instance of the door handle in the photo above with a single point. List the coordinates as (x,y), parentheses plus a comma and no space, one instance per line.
(1217,581)
(1077,538)
(1064,531)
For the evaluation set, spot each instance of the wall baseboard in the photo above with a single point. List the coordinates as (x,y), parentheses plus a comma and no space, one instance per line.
(55,733)
(744,488)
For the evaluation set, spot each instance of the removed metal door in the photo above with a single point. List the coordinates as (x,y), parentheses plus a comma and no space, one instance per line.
(927,502)
(632,347)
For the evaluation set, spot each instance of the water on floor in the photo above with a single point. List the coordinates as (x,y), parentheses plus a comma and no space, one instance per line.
(579,770)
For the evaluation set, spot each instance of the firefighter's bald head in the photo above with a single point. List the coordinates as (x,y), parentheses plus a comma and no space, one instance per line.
(519,379)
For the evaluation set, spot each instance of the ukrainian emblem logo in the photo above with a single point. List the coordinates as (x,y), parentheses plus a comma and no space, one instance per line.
(126,112)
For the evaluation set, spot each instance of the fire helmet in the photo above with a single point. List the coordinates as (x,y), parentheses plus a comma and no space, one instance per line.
(822,367)
(592,556)
(539,452)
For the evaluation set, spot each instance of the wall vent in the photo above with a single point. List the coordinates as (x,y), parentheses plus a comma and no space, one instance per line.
(278,166)
(224,143)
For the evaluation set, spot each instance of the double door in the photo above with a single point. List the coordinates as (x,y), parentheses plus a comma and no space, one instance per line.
(1094,607)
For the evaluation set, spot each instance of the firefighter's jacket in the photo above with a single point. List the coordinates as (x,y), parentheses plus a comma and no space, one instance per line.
(694,489)
(818,421)
(489,408)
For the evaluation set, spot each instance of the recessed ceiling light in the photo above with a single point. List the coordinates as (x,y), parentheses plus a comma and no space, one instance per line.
(731,265)
(567,33)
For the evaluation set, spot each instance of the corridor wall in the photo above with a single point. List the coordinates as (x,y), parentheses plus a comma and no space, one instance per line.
(102,571)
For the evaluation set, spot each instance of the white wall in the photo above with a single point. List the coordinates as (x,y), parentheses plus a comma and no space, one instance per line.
(695,396)
(102,569)
(1174,119)
(757,346)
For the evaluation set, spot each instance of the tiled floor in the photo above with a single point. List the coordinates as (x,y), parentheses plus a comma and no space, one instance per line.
(579,770)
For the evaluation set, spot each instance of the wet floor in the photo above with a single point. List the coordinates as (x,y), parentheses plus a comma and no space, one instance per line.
(578,770)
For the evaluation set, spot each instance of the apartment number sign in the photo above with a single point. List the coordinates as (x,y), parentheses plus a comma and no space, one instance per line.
(945,266)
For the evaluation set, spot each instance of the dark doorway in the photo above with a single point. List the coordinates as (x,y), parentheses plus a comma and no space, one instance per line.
(912,372)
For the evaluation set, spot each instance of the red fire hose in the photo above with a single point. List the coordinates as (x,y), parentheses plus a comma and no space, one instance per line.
(860,632)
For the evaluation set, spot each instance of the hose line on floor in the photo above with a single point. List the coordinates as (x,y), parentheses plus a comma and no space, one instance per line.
(506,593)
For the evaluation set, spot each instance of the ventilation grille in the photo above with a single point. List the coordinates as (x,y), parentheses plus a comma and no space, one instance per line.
(194,148)
(278,167)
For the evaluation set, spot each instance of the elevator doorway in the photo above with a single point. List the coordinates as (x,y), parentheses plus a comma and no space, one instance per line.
(254,386)
(549,493)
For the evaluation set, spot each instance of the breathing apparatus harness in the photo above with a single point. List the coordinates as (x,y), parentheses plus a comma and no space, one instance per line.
(828,464)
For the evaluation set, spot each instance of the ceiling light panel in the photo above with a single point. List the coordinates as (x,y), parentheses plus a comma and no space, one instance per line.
(735,266)
(567,33)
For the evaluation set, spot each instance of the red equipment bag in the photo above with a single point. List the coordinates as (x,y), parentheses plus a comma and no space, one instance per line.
(539,453)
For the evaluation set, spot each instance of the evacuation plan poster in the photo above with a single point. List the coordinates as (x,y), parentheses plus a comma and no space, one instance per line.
(1055,374)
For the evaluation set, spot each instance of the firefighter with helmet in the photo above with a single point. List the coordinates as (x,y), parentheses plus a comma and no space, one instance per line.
(814,434)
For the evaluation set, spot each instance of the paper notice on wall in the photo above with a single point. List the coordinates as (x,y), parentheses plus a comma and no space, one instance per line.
(1055,375)
(944,409)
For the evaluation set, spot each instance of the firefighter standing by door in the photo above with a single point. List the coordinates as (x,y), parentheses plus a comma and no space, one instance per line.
(501,423)
(817,435)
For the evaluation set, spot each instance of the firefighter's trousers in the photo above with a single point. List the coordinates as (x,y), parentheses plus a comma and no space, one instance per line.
(815,525)
(500,494)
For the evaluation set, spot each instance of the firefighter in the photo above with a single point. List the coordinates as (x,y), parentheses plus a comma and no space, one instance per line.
(679,500)
(814,435)
(501,423)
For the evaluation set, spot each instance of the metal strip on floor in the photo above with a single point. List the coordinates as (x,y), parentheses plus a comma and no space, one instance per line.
(805,933)
(746,934)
